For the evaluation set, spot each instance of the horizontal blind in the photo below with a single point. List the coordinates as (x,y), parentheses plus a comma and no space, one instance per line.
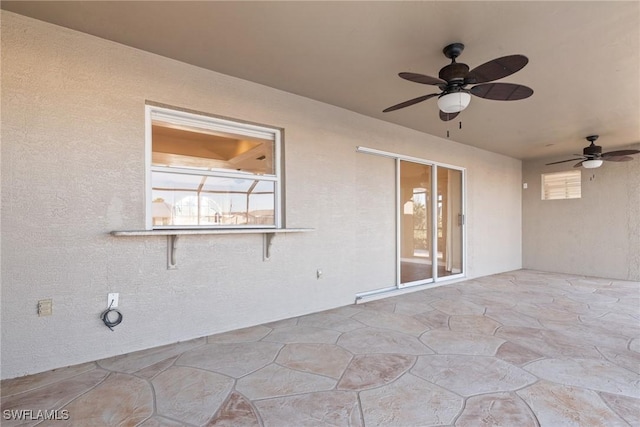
(561,185)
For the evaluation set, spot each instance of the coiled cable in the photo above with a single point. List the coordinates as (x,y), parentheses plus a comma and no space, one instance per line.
(107,321)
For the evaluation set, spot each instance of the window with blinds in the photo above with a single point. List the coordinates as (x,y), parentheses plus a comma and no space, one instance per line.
(561,185)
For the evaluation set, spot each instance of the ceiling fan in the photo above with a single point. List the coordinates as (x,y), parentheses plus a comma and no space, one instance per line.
(454,78)
(592,156)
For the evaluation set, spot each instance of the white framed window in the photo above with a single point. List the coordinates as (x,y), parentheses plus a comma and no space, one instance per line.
(562,185)
(209,172)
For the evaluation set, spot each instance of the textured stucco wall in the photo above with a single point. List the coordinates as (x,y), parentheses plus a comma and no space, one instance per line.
(73,170)
(596,235)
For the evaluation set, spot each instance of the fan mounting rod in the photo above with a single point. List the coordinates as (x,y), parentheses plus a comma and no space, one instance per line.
(592,138)
(453,50)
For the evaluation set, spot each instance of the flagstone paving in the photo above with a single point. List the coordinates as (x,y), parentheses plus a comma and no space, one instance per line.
(523,348)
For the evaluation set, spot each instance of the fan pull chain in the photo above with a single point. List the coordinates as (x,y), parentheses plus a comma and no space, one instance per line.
(459,127)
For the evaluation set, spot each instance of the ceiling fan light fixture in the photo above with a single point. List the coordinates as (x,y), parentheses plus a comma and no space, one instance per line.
(592,164)
(454,102)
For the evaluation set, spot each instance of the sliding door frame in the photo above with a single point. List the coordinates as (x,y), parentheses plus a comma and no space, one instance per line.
(435,166)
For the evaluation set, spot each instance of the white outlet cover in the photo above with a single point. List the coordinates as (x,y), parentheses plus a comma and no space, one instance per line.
(112,300)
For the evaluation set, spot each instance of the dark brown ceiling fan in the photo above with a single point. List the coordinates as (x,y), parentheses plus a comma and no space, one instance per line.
(592,156)
(453,79)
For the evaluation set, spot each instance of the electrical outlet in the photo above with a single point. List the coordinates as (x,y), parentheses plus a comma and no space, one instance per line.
(112,300)
(45,307)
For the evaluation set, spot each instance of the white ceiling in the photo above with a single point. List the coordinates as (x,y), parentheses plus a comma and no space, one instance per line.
(584,58)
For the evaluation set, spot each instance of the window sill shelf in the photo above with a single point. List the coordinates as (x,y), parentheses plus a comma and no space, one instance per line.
(183,231)
(172,237)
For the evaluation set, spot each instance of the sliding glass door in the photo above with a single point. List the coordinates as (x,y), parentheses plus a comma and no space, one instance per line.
(430,222)
(450,221)
(416,216)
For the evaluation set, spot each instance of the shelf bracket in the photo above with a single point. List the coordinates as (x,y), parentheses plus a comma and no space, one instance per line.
(172,246)
(267,242)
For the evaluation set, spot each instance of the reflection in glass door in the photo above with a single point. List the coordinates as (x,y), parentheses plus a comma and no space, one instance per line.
(430,227)
(415,218)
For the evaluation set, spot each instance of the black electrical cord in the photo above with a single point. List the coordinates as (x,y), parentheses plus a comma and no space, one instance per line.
(105,317)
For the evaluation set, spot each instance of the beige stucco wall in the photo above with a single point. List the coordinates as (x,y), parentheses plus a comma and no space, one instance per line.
(73,171)
(596,235)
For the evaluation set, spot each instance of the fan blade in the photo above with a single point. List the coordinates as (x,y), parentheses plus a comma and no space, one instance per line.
(563,161)
(496,69)
(409,102)
(617,158)
(620,153)
(579,164)
(445,117)
(421,78)
(502,91)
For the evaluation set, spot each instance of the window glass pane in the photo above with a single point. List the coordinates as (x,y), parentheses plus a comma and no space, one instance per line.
(207,149)
(215,201)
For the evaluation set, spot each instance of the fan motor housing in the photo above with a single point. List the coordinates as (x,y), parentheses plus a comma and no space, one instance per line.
(454,71)
(592,150)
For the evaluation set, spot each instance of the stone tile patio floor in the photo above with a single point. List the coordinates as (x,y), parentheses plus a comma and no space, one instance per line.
(523,348)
